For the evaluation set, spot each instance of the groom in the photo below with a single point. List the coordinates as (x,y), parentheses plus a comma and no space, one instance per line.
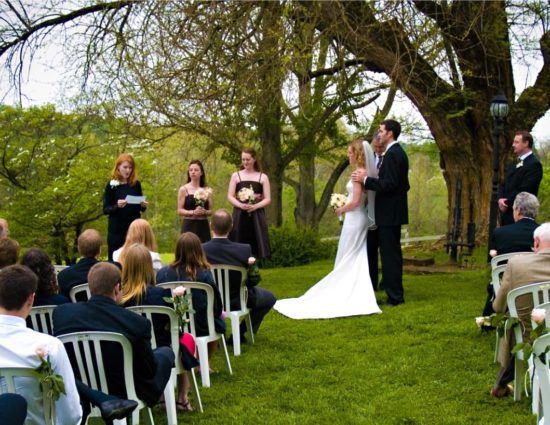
(391,210)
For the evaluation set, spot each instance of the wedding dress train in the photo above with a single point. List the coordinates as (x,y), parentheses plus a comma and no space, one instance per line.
(347,289)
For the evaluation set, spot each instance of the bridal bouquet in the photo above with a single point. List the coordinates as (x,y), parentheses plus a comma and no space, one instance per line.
(201,196)
(246,194)
(338,200)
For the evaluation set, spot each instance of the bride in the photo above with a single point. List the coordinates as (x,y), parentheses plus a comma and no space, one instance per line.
(346,290)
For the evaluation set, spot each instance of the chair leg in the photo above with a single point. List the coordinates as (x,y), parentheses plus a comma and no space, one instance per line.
(249,327)
(518,378)
(170,400)
(149,416)
(235,334)
(227,361)
(196,389)
(202,348)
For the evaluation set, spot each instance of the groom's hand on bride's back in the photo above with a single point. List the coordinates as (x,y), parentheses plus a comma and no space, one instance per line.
(359,175)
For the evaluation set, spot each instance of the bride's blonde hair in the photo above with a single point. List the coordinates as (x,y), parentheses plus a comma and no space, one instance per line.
(358,153)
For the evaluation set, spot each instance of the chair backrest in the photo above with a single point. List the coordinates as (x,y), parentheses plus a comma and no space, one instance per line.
(149,311)
(222,273)
(503,258)
(41,318)
(58,267)
(532,296)
(9,374)
(196,286)
(541,358)
(496,276)
(78,291)
(88,359)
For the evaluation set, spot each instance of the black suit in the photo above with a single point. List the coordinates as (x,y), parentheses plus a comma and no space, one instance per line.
(524,178)
(391,212)
(224,251)
(100,313)
(75,274)
(515,237)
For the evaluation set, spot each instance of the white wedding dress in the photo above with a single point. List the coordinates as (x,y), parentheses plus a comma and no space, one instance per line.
(347,289)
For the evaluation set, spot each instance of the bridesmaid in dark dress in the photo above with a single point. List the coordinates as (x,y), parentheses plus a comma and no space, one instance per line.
(249,219)
(121,214)
(195,211)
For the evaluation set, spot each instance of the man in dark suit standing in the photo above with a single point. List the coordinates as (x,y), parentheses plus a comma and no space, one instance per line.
(524,175)
(89,247)
(220,250)
(517,237)
(102,313)
(391,209)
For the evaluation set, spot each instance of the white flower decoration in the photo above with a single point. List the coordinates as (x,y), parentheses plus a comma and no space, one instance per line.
(114,183)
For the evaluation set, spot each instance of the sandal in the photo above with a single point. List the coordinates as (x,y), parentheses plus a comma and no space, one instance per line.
(184,407)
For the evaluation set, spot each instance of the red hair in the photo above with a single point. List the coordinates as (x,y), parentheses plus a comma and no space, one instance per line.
(133,176)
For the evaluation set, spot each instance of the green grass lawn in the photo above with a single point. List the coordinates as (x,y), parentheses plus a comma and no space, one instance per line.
(424,362)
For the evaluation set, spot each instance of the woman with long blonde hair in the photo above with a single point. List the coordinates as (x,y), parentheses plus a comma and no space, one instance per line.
(141,232)
(138,288)
(124,182)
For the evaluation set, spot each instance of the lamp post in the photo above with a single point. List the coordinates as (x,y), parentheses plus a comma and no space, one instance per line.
(499,110)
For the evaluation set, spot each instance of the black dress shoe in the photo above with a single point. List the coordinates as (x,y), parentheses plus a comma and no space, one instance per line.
(116,408)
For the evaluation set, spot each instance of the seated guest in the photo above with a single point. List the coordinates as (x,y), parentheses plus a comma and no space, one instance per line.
(9,252)
(39,262)
(138,288)
(102,313)
(521,270)
(4,230)
(140,231)
(190,264)
(18,348)
(89,248)
(518,237)
(220,250)
(18,345)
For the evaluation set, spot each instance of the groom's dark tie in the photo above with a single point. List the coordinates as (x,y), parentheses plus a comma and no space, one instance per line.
(380,159)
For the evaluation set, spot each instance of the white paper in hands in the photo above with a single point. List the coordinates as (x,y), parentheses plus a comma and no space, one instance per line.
(131,199)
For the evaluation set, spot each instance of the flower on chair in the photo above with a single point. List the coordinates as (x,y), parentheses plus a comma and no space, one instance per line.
(50,383)
(181,298)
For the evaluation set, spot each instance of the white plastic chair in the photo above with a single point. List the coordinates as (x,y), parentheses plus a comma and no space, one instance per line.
(221,274)
(498,260)
(9,373)
(539,293)
(148,311)
(496,278)
(58,267)
(41,318)
(90,367)
(79,289)
(542,373)
(202,341)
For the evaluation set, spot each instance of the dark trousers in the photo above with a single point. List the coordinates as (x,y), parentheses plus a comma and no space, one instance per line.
(13,409)
(372,253)
(264,300)
(392,262)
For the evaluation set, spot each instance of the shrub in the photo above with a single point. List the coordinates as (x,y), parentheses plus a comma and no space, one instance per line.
(293,247)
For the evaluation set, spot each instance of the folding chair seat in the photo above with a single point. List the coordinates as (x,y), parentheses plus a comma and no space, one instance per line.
(89,366)
(222,272)
(202,341)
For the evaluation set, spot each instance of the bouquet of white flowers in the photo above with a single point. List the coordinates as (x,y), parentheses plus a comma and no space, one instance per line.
(201,196)
(338,200)
(246,194)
